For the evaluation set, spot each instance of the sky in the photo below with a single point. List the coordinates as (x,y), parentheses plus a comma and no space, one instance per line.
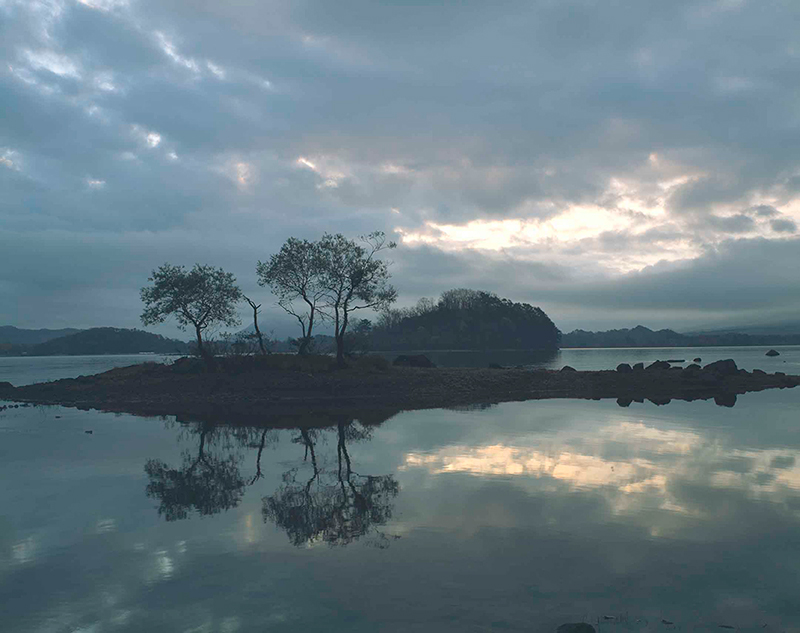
(614,163)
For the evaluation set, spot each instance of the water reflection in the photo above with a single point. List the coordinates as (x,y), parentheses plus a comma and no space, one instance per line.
(315,503)
(334,506)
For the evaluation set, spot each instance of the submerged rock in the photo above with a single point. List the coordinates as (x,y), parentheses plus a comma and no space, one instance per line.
(773,352)
(418,360)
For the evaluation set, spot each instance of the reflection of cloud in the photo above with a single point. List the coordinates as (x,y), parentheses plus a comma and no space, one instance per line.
(635,463)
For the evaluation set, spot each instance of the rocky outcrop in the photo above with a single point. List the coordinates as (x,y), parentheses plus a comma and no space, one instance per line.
(725,367)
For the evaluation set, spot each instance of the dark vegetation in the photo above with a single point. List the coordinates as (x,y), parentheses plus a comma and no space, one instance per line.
(102,340)
(465,319)
(644,337)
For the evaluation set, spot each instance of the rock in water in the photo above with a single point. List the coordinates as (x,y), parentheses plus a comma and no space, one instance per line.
(697,360)
(624,368)
(725,367)
(568,368)
(773,352)
(576,627)
(419,360)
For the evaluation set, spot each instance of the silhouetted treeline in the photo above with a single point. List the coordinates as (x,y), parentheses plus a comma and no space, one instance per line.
(641,336)
(101,340)
(465,319)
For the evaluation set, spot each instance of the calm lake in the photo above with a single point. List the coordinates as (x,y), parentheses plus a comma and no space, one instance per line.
(514,517)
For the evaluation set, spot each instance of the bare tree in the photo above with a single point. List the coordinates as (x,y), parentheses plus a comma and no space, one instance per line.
(256,310)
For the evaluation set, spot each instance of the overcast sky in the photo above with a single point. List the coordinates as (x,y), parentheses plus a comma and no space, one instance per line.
(612,162)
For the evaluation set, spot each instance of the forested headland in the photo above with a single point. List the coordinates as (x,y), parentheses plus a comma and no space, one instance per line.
(464,319)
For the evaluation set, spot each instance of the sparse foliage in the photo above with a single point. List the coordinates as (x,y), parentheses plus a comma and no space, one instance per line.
(201,297)
(293,275)
(353,278)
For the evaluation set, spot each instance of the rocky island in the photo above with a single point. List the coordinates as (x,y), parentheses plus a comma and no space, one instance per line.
(262,388)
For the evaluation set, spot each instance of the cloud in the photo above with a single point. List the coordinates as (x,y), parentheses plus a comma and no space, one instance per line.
(590,146)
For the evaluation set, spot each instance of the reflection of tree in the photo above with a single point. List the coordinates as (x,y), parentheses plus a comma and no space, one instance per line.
(206,482)
(334,507)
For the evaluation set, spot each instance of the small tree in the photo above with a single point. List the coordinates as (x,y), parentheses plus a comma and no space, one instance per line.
(201,297)
(293,275)
(256,309)
(354,279)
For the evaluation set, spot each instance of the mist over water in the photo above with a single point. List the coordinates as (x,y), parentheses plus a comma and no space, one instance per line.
(519,516)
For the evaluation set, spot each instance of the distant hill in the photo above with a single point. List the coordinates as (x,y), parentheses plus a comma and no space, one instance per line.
(641,336)
(464,319)
(108,340)
(10,335)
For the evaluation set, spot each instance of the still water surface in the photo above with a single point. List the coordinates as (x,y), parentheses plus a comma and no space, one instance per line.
(516,517)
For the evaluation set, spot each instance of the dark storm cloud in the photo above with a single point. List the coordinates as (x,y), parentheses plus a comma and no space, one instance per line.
(144,131)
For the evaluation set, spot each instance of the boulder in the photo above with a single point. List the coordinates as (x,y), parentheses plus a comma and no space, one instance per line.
(659,364)
(725,367)
(568,368)
(638,367)
(576,627)
(694,367)
(624,368)
(773,352)
(417,360)
(624,402)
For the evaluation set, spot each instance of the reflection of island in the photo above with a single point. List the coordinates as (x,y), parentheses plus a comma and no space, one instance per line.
(335,505)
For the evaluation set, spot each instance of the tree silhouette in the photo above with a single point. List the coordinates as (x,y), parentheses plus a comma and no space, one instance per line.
(336,508)
(205,483)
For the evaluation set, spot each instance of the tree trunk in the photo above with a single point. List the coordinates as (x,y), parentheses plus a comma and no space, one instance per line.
(208,358)
(258,332)
(339,332)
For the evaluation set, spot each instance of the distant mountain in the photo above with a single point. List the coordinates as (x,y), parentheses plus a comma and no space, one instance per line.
(10,335)
(108,340)
(641,336)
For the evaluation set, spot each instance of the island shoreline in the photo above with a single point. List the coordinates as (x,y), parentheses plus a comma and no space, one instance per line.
(184,389)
